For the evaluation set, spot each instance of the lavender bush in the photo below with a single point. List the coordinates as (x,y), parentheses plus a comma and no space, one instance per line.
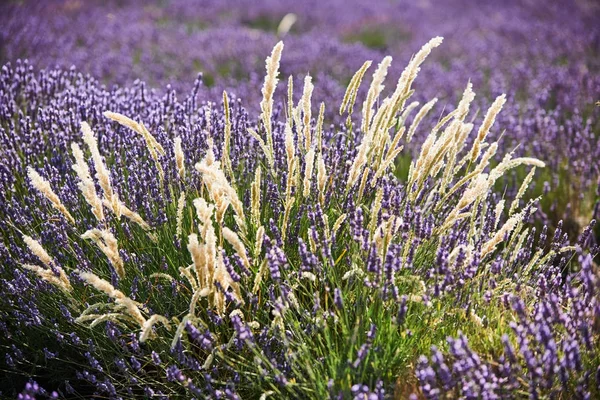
(190,247)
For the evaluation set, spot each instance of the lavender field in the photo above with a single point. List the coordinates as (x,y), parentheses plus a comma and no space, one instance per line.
(287,199)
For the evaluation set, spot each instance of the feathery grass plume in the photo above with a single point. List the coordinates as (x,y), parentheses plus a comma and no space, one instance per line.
(36,248)
(286,24)
(140,128)
(203,274)
(62,282)
(86,184)
(102,173)
(508,164)
(309,161)
(392,153)
(153,146)
(133,217)
(286,217)
(290,100)
(321,177)
(432,156)
(255,196)
(337,224)
(403,88)
(43,186)
(150,322)
(187,273)
(290,149)
(417,120)
(374,91)
(227,138)
(376,135)
(498,212)
(401,120)
(258,242)
(305,102)
(319,128)
(477,188)
(129,306)
(352,89)
(266,105)
(522,189)
(219,189)
(498,237)
(490,152)
(238,246)
(359,161)
(222,276)
(485,127)
(107,243)
(293,163)
(375,208)
(48,274)
(179,157)
(465,102)
(180,206)
(363,184)
(204,212)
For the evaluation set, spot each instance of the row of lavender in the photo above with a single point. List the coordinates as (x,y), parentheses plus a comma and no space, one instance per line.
(544,58)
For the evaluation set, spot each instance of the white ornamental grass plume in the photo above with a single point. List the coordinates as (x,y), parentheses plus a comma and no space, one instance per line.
(321,177)
(255,192)
(238,246)
(36,248)
(268,89)
(62,282)
(204,212)
(50,273)
(420,115)
(374,91)
(309,162)
(286,24)
(224,279)
(498,212)
(465,102)
(305,102)
(319,129)
(153,146)
(107,243)
(488,121)
(203,275)
(522,189)
(180,206)
(130,307)
(227,139)
(409,74)
(86,184)
(352,89)
(149,324)
(204,255)
(102,174)
(187,273)
(43,186)
(258,242)
(179,157)
(219,189)
(498,237)
(406,113)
